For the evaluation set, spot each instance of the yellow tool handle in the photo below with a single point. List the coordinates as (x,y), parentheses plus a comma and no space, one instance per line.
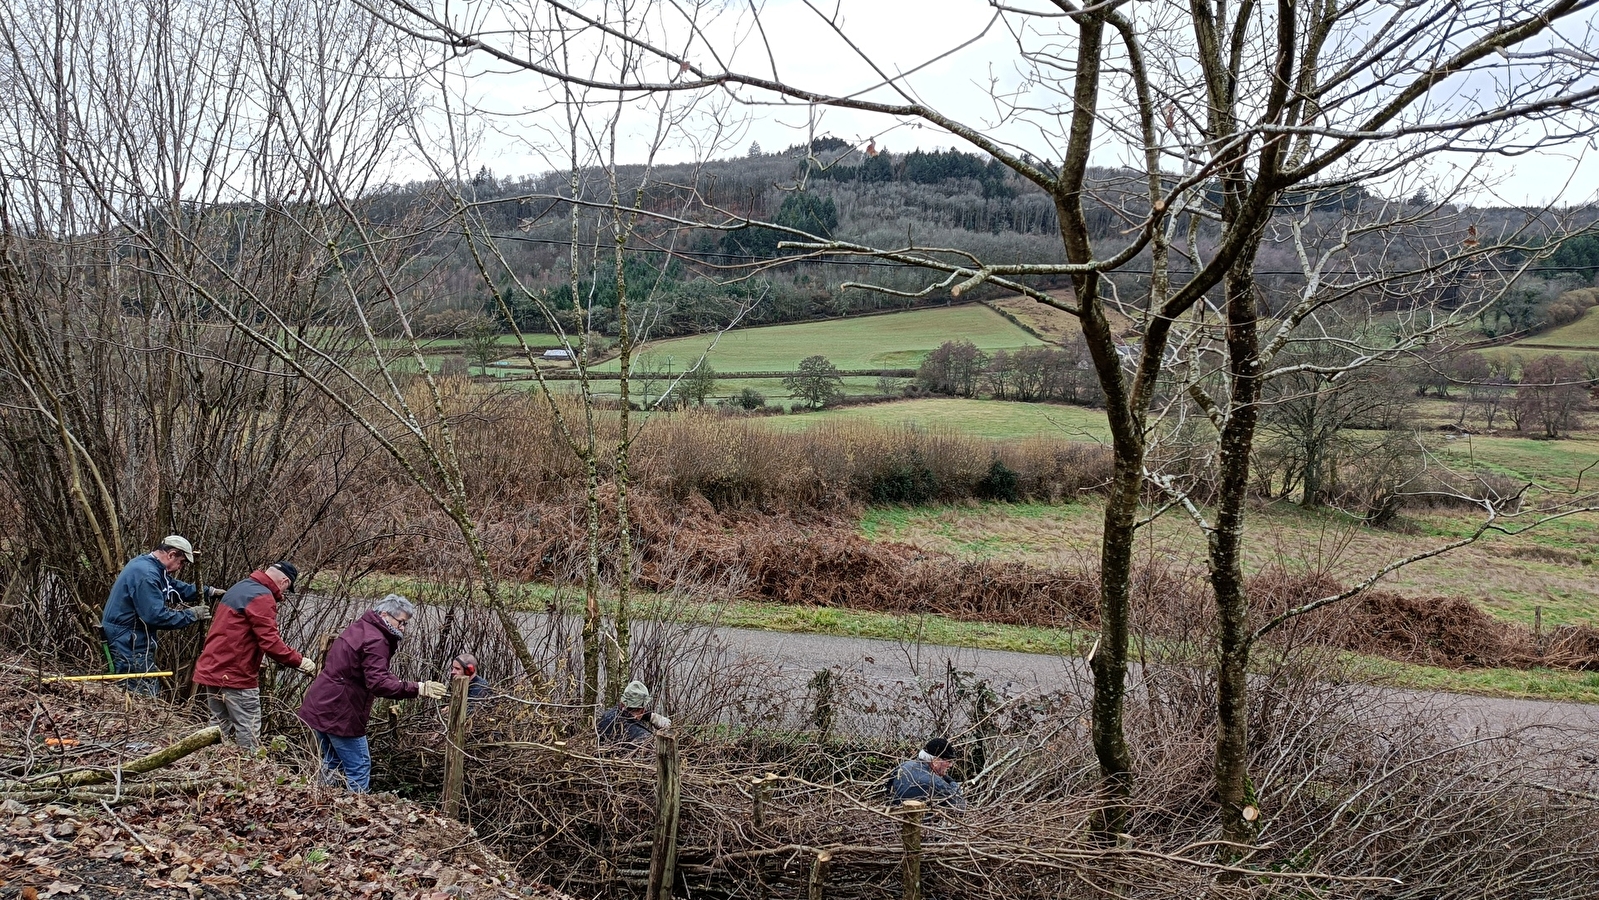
(106,677)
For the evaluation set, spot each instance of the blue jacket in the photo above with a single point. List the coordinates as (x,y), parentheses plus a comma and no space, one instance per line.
(913,780)
(616,727)
(478,690)
(138,604)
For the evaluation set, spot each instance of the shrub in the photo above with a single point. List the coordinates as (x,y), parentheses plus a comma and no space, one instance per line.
(748,398)
(903,481)
(1001,483)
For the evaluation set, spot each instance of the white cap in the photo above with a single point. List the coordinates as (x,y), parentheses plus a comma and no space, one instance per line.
(179,543)
(635,695)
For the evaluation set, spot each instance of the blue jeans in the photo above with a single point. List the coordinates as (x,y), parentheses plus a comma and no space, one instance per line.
(125,657)
(348,757)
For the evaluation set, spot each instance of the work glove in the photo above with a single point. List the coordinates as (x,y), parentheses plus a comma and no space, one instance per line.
(432,690)
(201,613)
(214,593)
(660,721)
(307,666)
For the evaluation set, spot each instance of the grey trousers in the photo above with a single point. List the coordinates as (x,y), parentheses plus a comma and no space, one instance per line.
(238,712)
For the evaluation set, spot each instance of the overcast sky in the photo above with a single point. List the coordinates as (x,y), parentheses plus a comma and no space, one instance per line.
(960,58)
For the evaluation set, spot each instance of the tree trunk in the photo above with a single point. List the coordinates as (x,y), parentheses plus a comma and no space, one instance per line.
(591,586)
(166,756)
(1109,662)
(618,676)
(1226,555)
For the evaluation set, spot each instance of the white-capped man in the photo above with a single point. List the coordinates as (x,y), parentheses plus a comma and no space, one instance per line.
(140,604)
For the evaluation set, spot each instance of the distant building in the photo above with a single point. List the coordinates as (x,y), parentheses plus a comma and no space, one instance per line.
(557,354)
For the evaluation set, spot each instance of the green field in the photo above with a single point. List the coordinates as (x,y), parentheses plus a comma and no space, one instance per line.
(1582,334)
(994,419)
(895,341)
(1552,568)
(1569,463)
(1578,340)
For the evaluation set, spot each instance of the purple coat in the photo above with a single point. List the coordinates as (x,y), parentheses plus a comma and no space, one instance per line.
(339,701)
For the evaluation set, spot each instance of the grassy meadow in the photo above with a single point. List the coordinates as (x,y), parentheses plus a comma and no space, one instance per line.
(1582,334)
(993,419)
(1554,569)
(889,341)
(892,341)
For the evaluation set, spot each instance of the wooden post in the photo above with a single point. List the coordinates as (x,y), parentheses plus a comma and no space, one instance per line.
(455,748)
(761,792)
(822,715)
(668,797)
(1537,628)
(322,648)
(983,720)
(818,882)
(910,831)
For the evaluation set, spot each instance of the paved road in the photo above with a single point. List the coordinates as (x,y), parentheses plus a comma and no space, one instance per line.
(890,666)
(700,655)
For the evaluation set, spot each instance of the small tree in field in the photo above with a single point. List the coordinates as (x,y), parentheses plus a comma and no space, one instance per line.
(816,383)
(481,342)
(697,384)
(956,367)
(1552,392)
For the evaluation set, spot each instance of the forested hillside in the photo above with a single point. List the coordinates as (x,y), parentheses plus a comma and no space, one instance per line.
(700,265)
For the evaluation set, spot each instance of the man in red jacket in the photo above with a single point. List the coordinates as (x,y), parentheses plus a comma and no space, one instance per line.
(243,629)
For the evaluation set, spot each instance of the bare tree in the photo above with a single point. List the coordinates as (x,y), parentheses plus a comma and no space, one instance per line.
(1224,113)
(260,224)
(1552,393)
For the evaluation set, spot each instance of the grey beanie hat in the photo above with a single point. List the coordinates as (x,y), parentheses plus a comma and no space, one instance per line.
(635,695)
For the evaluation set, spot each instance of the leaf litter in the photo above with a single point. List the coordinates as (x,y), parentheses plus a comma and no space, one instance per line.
(217,824)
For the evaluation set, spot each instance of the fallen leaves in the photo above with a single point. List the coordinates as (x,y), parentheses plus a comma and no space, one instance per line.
(252,828)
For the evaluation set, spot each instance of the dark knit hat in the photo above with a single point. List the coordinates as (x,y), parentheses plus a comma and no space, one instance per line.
(289,571)
(940,748)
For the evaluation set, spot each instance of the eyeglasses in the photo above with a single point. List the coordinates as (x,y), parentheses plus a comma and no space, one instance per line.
(399,622)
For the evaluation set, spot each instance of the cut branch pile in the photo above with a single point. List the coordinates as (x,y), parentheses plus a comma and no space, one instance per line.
(1348,806)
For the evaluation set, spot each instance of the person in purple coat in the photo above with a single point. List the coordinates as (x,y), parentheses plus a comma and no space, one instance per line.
(339,701)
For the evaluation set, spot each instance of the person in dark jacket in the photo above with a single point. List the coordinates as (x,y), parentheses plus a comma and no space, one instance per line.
(339,701)
(464,665)
(244,629)
(138,606)
(630,721)
(925,777)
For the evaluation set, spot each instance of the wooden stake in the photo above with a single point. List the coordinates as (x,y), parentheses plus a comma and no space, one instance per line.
(455,748)
(668,798)
(818,882)
(761,791)
(910,831)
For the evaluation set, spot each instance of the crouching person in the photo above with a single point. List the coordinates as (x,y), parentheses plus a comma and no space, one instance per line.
(243,630)
(339,701)
(925,778)
(630,722)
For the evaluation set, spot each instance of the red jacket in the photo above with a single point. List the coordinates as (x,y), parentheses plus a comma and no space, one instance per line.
(339,701)
(244,627)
